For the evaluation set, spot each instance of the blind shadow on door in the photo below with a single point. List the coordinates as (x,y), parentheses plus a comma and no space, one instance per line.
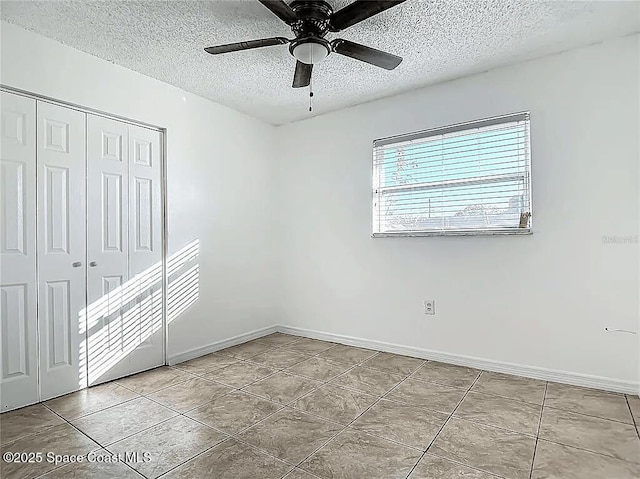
(130,314)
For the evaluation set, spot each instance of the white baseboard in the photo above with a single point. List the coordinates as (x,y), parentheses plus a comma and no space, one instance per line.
(217,346)
(565,377)
(576,379)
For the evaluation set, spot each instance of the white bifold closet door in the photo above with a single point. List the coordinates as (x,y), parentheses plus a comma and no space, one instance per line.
(81,273)
(124,242)
(18,285)
(61,152)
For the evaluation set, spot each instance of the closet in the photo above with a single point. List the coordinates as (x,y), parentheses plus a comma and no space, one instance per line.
(81,242)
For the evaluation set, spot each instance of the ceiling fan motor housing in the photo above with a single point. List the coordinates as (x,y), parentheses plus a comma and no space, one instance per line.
(310,27)
(312,18)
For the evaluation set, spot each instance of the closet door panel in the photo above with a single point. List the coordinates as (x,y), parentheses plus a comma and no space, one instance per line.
(145,244)
(145,240)
(18,286)
(61,248)
(124,249)
(145,235)
(109,336)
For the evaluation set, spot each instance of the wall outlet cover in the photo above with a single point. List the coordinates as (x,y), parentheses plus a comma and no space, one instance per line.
(429,306)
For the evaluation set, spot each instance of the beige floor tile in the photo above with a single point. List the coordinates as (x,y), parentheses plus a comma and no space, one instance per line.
(319,368)
(448,374)
(594,434)
(207,363)
(335,403)
(410,425)
(347,354)
(592,402)
(189,394)
(278,339)
(497,451)
(231,460)
(154,380)
(513,387)
(168,444)
(298,394)
(502,412)
(282,387)
(233,412)
(434,467)
(634,404)
(116,423)
(94,469)
(290,435)
(239,374)
(90,400)
(394,363)
(555,461)
(437,397)
(356,455)
(367,380)
(25,421)
(310,346)
(58,440)
(248,350)
(300,474)
(280,358)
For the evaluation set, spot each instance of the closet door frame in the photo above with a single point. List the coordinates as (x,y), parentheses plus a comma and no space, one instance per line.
(163,189)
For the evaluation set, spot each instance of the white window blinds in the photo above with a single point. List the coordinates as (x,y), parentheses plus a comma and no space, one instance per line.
(471,178)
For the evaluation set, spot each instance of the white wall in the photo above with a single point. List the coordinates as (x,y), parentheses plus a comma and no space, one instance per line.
(220,177)
(541,300)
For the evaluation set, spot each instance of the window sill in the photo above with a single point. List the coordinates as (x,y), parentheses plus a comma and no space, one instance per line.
(409,234)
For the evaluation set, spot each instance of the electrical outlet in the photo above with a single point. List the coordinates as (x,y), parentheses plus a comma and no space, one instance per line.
(430,306)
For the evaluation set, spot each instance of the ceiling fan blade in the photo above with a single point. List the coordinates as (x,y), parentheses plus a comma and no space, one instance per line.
(281,10)
(302,76)
(359,10)
(366,54)
(236,47)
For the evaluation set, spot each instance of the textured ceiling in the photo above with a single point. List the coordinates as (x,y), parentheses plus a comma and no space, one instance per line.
(439,40)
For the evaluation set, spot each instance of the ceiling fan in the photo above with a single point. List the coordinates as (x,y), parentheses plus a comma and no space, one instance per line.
(310,21)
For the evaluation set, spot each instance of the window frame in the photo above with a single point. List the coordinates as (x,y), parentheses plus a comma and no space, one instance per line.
(424,134)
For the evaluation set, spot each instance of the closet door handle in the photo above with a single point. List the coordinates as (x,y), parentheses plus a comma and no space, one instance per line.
(76,264)
(93,264)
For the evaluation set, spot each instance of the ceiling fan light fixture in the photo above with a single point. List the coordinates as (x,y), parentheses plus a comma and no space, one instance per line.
(310,51)
(310,21)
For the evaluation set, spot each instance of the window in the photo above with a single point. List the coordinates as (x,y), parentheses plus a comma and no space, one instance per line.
(471,178)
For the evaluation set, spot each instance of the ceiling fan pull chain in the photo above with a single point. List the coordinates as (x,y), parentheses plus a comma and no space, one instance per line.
(310,98)
(311,87)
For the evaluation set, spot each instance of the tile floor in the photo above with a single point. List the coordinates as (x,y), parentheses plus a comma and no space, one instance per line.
(298,408)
